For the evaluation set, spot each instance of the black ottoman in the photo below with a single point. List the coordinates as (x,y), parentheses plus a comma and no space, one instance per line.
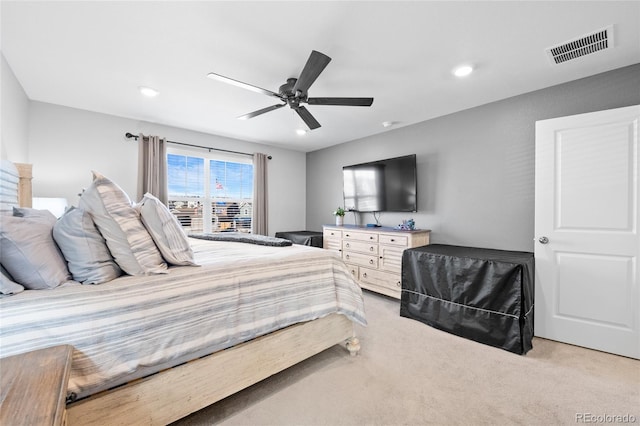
(305,238)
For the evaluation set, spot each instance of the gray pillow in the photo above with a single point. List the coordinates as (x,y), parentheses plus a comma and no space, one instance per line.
(128,240)
(29,253)
(7,285)
(166,231)
(83,247)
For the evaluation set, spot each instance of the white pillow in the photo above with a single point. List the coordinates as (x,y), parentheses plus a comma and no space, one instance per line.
(83,247)
(128,240)
(29,253)
(165,231)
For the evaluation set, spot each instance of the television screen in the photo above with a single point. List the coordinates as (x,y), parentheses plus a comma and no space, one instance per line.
(386,185)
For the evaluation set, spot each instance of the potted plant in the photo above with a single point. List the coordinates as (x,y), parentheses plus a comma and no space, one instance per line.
(339,214)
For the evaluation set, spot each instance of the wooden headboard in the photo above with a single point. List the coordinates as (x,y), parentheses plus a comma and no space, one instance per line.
(24,186)
(15,185)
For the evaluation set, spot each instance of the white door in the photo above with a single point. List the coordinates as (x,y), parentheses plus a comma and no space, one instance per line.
(586,230)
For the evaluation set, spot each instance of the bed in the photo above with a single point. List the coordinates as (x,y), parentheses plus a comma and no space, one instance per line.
(154,348)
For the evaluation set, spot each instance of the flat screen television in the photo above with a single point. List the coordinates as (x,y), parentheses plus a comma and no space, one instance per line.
(381,186)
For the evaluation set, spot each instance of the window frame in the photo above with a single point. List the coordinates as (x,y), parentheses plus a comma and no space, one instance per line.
(208,200)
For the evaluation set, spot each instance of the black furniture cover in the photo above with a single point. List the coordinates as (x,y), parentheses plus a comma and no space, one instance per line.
(481,294)
(305,238)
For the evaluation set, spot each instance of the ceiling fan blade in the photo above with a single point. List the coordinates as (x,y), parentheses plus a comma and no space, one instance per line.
(247,86)
(341,101)
(307,118)
(260,111)
(315,65)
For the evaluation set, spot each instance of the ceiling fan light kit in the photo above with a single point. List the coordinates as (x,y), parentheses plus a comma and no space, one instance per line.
(294,92)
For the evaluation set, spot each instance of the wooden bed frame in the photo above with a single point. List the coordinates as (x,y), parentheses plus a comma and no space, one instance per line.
(174,393)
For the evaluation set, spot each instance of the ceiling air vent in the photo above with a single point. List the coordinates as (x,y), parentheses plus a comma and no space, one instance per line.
(585,45)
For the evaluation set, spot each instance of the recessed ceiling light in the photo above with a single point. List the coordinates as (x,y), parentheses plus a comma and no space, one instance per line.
(388,123)
(463,71)
(148,91)
(301,132)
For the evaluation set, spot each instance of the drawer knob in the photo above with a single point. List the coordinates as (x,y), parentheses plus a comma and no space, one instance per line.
(347,245)
(371,248)
(398,284)
(370,261)
(392,240)
(371,237)
(346,235)
(347,256)
(364,275)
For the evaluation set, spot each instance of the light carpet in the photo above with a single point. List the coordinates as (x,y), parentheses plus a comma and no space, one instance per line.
(408,373)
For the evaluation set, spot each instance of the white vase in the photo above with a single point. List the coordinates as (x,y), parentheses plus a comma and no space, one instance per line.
(339,220)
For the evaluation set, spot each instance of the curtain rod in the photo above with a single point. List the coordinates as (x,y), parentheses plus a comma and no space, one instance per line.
(132,136)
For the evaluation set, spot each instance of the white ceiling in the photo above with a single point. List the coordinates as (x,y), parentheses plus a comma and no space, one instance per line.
(94,55)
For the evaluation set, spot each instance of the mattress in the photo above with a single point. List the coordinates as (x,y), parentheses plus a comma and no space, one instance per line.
(137,325)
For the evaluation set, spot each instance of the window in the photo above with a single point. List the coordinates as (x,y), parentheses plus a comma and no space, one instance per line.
(210,193)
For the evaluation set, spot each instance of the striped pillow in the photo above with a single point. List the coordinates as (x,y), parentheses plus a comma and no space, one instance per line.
(127,239)
(165,231)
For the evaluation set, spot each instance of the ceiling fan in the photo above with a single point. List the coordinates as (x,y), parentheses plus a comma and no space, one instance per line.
(294,91)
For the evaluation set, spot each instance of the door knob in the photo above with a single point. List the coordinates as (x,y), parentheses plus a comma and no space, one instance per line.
(543,240)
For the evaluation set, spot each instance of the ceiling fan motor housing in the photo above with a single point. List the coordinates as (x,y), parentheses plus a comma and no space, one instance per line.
(293,99)
(287,88)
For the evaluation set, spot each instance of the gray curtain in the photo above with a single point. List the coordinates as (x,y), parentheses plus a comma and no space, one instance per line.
(152,167)
(260,206)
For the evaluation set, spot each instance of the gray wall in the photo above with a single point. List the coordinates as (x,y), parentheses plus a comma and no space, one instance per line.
(14,130)
(475,167)
(65,144)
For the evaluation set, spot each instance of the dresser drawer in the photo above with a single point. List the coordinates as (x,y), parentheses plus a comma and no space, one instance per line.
(360,259)
(332,233)
(360,236)
(381,279)
(360,247)
(354,269)
(395,240)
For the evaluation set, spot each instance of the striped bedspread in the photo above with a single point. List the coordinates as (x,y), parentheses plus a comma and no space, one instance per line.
(135,326)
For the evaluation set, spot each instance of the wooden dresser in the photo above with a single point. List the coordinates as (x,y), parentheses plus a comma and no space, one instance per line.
(374,255)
